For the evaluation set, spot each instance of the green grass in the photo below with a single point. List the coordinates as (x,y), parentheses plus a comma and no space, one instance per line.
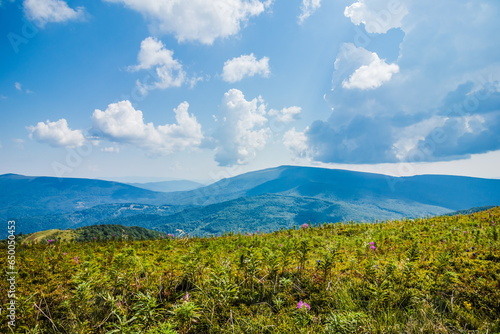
(43,236)
(91,233)
(436,275)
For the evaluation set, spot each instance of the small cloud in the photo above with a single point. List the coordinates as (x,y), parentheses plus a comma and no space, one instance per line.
(56,134)
(371,76)
(19,87)
(238,68)
(3,97)
(46,11)
(308,7)
(169,71)
(361,69)
(286,115)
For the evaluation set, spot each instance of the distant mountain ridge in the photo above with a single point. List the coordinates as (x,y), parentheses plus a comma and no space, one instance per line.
(168,186)
(265,200)
(30,195)
(451,192)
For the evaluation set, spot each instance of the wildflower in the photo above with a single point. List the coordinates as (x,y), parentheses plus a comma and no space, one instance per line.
(65,253)
(185,298)
(170,235)
(305,225)
(281,245)
(301,304)
(50,241)
(373,247)
(372,242)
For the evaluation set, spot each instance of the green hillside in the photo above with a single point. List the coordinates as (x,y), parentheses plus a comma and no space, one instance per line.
(435,275)
(91,233)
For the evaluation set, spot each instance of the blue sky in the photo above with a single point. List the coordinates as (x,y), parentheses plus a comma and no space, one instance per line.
(202,90)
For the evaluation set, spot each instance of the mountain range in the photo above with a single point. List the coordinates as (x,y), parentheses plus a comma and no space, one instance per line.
(264,200)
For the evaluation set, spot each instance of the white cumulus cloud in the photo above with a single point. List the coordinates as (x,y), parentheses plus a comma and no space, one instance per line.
(373,75)
(169,71)
(197,20)
(368,70)
(307,8)
(238,68)
(242,130)
(378,16)
(46,11)
(122,123)
(56,134)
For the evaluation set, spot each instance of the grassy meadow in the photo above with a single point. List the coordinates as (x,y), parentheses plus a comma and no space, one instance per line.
(434,275)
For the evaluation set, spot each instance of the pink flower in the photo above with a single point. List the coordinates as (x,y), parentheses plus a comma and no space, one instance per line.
(373,247)
(372,243)
(301,304)
(305,225)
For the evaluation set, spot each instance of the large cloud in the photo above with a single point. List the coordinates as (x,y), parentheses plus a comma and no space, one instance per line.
(245,66)
(439,101)
(56,134)
(122,123)
(46,11)
(197,20)
(169,71)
